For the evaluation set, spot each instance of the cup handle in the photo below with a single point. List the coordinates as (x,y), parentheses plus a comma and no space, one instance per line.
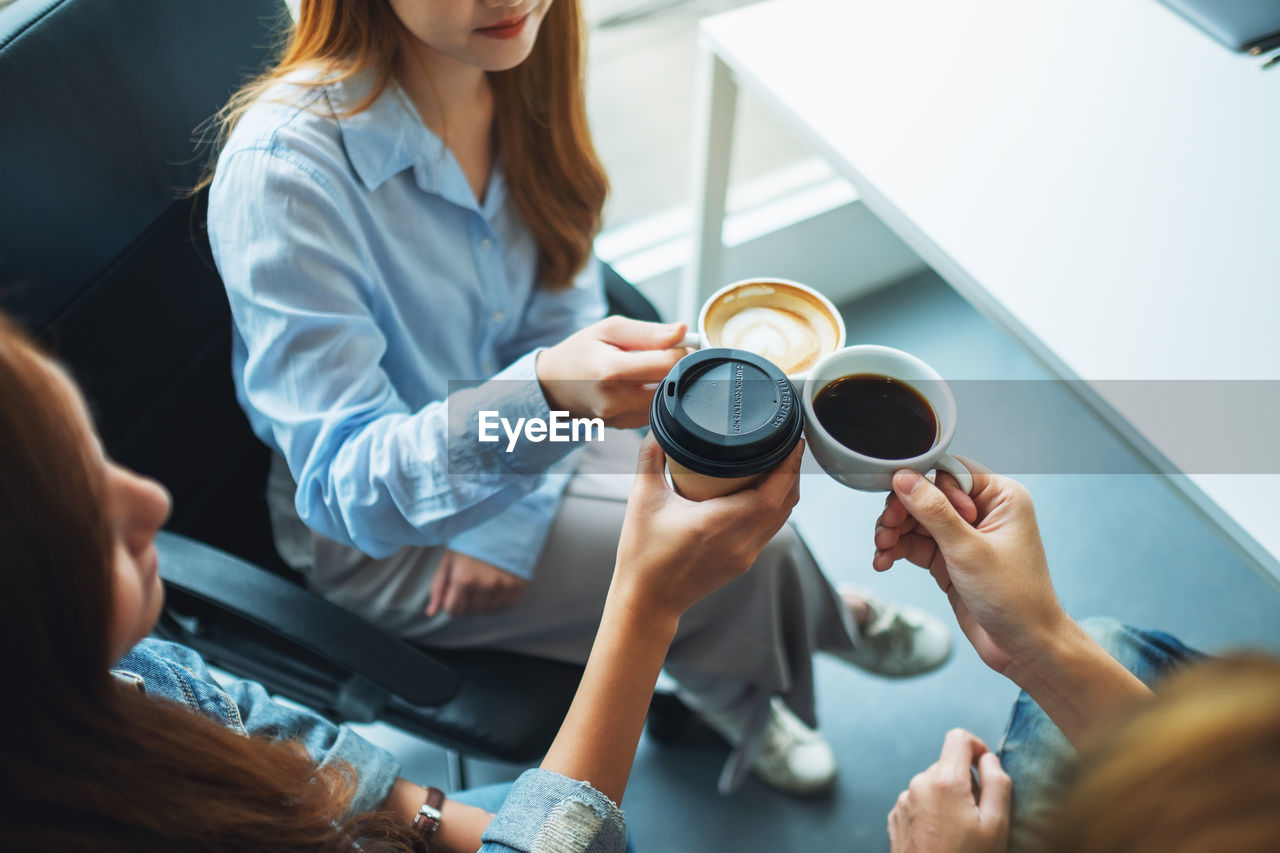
(691,341)
(954,467)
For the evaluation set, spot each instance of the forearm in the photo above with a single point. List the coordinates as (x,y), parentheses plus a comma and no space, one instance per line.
(597,742)
(460,825)
(1077,684)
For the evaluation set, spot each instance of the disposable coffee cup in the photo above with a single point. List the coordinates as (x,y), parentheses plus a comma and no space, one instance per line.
(858,467)
(725,418)
(789,323)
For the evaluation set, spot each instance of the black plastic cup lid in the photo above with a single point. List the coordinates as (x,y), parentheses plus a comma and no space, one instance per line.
(726,413)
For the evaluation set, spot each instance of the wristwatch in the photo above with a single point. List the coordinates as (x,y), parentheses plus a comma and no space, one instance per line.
(427,821)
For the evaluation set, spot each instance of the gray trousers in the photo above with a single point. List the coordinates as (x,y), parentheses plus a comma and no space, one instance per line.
(752,639)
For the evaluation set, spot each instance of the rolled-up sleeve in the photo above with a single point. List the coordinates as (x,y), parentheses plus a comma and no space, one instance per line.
(327,744)
(549,813)
(179,674)
(514,539)
(370,472)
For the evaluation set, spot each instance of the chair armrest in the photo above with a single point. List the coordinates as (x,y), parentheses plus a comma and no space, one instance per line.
(299,616)
(623,298)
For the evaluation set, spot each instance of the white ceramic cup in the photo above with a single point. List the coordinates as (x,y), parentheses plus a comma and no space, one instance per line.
(789,323)
(869,473)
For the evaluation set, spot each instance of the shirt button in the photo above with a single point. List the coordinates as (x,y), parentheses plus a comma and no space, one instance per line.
(486,244)
(497,316)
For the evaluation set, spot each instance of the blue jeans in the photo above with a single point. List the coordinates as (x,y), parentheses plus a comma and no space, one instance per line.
(491,797)
(1037,756)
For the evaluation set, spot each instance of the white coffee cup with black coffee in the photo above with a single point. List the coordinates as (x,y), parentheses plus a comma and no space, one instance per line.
(872,410)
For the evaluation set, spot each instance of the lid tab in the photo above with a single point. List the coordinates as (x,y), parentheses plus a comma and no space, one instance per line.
(726,413)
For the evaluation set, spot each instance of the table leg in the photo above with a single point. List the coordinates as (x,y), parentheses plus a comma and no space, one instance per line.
(715,102)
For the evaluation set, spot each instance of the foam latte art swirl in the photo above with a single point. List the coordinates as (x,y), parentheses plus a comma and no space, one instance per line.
(784,337)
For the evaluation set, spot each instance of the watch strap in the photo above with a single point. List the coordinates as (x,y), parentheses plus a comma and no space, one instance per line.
(427,821)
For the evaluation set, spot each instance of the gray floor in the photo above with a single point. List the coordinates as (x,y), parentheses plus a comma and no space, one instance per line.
(1121,545)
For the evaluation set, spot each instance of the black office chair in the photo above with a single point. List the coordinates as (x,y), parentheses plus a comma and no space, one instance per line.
(105,261)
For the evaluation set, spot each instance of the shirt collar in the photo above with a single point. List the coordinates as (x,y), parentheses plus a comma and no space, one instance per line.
(389,137)
(386,138)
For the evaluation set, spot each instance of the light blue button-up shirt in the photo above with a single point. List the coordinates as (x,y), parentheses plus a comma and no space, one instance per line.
(363,277)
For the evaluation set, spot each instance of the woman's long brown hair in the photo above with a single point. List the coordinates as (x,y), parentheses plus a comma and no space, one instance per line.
(1195,771)
(553,173)
(89,764)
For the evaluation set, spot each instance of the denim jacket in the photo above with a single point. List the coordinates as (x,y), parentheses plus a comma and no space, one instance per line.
(544,811)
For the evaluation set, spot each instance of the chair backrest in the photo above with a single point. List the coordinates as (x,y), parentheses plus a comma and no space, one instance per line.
(102,254)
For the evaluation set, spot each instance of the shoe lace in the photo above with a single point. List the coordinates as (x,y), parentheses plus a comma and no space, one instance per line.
(785,730)
(892,636)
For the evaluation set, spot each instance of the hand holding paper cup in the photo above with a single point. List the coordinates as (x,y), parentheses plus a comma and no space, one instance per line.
(725,418)
(790,324)
(871,410)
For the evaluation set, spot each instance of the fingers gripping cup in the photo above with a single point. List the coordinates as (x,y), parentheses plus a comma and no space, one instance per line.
(725,418)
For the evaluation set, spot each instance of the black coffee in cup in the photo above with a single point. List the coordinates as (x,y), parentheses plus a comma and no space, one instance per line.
(725,418)
(877,416)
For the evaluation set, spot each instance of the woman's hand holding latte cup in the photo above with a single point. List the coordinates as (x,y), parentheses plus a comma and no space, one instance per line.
(673,552)
(608,370)
(991,565)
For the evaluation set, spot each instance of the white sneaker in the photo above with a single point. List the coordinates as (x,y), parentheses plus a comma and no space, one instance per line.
(897,640)
(792,757)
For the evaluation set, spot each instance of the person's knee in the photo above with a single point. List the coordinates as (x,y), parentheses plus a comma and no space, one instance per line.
(1102,629)
(1109,633)
(779,553)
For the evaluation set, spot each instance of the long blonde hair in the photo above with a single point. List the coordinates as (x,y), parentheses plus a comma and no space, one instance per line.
(553,172)
(1196,771)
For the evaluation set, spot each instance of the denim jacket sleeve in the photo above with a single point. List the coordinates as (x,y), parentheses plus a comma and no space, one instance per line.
(543,813)
(549,813)
(179,674)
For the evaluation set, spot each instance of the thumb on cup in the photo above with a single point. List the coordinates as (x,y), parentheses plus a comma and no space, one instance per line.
(691,340)
(651,459)
(930,507)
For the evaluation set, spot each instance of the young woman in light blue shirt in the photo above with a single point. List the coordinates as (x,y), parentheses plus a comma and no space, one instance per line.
(402,213)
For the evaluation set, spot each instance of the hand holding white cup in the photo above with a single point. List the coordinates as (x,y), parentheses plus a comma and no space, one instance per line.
(872,410)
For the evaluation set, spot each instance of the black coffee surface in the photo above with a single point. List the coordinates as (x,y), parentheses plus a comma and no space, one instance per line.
(876,416)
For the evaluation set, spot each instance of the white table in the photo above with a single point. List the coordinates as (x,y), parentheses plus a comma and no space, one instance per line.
(1098,176)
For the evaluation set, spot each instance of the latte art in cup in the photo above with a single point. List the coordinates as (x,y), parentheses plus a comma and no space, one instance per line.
(791,326)
(785,338)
